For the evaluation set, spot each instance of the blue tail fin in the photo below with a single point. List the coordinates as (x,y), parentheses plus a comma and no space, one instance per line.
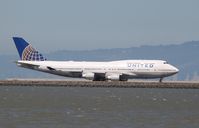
(26,51)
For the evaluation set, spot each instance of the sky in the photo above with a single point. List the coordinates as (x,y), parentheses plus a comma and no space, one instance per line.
(51,25)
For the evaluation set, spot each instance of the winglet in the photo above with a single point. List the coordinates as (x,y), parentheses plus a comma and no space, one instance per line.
(26,51)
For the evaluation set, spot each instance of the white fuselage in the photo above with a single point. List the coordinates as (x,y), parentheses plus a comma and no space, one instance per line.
(111,70)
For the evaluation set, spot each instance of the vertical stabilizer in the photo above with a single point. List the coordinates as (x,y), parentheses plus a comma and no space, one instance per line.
(26,51)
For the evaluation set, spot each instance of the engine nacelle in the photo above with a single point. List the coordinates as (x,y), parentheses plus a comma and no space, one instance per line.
(88,75)
(113,77)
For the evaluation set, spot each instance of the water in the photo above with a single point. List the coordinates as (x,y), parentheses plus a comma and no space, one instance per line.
(64,107)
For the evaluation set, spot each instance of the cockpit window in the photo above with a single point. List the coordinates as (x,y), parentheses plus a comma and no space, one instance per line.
(165,62)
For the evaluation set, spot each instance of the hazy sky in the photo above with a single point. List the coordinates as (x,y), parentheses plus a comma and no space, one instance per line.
(92,24)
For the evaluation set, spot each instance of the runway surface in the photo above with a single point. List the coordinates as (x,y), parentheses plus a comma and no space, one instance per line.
(103,84)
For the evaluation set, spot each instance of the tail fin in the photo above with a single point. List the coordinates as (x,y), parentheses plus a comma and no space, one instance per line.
(26,51)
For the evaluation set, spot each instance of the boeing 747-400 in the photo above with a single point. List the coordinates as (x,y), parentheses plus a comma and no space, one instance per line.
(120,70)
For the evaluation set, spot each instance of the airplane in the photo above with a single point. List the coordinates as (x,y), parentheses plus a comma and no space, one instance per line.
(120,70)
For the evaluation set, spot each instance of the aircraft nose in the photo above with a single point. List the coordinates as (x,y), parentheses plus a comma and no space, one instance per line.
(175,70)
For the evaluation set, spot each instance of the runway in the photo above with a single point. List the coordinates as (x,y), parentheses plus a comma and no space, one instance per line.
(102,84)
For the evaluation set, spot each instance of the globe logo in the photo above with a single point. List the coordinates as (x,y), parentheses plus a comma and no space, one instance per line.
(30,54)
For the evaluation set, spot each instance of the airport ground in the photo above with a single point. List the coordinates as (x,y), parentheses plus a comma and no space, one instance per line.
(103,84)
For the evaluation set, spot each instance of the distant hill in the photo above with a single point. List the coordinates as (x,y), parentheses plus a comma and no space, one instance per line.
(184,56)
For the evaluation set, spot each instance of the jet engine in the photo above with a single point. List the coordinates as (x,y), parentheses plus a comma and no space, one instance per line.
(113,77)
(88,75)
(116,77)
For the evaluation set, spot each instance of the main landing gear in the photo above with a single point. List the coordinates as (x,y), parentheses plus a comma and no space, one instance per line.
(161,80)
